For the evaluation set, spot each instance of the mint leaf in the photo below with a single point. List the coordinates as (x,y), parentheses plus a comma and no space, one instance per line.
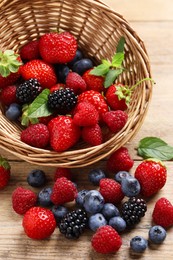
(117,59)
(120,45)
(111,76)
(100,70)
(153,147)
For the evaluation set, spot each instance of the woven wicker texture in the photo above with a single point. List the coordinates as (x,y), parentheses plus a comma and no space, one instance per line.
(97,29)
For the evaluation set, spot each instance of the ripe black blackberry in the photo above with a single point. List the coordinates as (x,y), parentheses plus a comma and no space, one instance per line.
(27,91)
(133,210)
(62,100)
(74,223)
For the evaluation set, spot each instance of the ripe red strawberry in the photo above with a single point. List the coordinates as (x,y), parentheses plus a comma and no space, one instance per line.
(120,160)
(58,47)
(111,191)
(57,87)
(62,172)
(75,81)
(8,95)
(63,191)
(106,240)
(113,99)
(115,120)
(5,172)
(30,51)
(85,114)
(95,98)
(151,175)
(92,135)
(39,223)
(40,70)
(163,213)
(63,133)
(93,82)
(23,199)
(36,135)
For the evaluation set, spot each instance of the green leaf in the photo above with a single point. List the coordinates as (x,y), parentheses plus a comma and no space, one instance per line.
(100,70)
(117,59)
(111,76)
(153,147)
(120,45)
(106,62)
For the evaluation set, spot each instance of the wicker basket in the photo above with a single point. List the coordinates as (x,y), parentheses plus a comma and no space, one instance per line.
(97,29)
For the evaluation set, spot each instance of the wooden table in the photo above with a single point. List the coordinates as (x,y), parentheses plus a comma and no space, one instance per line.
(153,21)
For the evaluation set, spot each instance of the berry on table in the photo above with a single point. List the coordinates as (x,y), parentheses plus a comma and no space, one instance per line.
(95,221)
(138,244)
(13,112)
(95,175)
(59,212)
(80,197)
(5,172)
(36,178)
(93,202)
(119,176)
(82,65)
(157,234)
(130,186)
(117,223)
(109,211)
(44,197)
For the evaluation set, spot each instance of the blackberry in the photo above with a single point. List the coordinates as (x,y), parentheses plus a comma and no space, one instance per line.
(74,223)
(27,91)
(62,100)
(133,210)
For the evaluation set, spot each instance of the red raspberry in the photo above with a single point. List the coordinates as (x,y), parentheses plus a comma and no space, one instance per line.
(5,172)
(113,100)
(92,135)
(120,160)
(39,223)
(36,135)
(23,199)
(163,213)
(57,87)
(62,172)
(93,82)
(85,114)
(111,191)
(8,95)
(30,51)
(75,82)
(106,240)
(63,191)
(115,120)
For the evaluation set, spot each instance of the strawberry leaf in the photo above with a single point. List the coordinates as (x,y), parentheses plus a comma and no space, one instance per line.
(111,76)
(100,70)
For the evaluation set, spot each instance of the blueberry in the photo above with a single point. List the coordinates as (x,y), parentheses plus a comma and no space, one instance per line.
(109,210)
(78,56)
(59,212)
(36,178)
(93,202)
(61,72)
(118,223)
(13,112)
(44,197)
(138,244)
(130,186)
(82,65)
(96,175)
(95,221)
(121,175)
(157,234)
(80,197)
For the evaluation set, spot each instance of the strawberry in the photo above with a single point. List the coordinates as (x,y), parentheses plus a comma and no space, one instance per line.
(40,70)
(63,133)
(75,82)
(163,213)
(115,120)
(62,172)
(85,114)
(120,160)
(111,191)
(151,175)
(23,199)
(9,68)
(39,223)
(63,191)
(5,172)
(106,240)
(8,95)
(30,51)
(113,99)
(36,135)
(93,82)
(58,47)
(95,98)
(92,135)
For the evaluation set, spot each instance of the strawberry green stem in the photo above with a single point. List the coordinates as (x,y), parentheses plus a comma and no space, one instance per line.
(9,63)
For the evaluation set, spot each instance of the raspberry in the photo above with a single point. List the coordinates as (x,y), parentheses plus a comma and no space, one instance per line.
(115,120)
(30,51)
(62,172)
(23,199)
(63,191)
(106,240)
(8,95)
(75,82)
(92,135)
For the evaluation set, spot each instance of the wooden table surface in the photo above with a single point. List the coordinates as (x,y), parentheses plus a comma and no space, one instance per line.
(153,21)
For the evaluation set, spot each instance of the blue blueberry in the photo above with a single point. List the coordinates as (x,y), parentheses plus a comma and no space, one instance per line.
(95,221)
(157,234)
(61,72)
(36,178)
(138,244)
(96,175)
(93,202)
(59,212)
(78,56)
(80,197)
(44,197)
(130,186)
(118,223)
(82,65)
(13,112)
(109,210)
(121,175)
